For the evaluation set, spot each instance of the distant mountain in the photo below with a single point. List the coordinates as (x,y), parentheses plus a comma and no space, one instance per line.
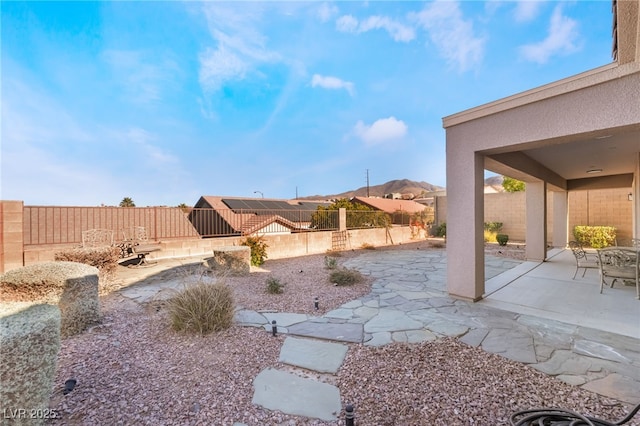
(401,186)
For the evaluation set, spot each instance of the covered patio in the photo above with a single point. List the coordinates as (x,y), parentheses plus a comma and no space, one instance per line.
(575,134)
(547,290)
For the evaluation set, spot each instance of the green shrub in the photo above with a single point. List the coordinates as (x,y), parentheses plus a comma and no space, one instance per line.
(595,236)
(258,249)
(202,307)
(441,230)
(330,262)
(502,239)
(495,227)
(274,286)
(343,277)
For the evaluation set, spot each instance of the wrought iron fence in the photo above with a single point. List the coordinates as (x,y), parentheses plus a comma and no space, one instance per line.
(218,222)
(64,225)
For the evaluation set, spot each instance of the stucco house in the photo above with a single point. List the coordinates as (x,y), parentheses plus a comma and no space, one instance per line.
(221,216)
(582,132)
(389,205)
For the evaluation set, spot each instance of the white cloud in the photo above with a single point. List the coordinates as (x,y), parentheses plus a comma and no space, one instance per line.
(452,35)
(527,10)
(561,39)
(396,30)
(328,82)
(241,48)
(381,131)
(327,11)
(142,80)
(347,24)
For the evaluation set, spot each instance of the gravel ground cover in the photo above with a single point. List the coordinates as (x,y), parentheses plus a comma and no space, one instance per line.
(133,369)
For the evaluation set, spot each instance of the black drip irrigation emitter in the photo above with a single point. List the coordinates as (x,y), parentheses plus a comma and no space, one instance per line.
(561,417)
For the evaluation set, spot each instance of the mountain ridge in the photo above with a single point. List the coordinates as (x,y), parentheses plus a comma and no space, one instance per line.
(399,186)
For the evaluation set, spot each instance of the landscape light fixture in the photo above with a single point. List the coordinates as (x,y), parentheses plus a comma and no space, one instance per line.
(259,192)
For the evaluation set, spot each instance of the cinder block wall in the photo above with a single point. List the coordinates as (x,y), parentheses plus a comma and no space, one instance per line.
(11,231)
(601,207)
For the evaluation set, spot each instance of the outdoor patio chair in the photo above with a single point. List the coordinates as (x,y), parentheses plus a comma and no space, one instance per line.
(619,264)
(583,259)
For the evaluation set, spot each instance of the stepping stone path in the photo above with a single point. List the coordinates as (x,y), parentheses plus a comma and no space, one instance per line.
(290,392)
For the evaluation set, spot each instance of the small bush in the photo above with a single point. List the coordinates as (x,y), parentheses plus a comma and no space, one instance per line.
(440,230)
(104,258)
(595,236)
(490,236)
(274,286)
(330,262)
(495,227)
(258,249)
(367,246)
(202,307)
(343,277)
(502,239)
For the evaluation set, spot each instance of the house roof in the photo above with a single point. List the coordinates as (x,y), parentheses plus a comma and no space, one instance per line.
(388,205)
(249,215)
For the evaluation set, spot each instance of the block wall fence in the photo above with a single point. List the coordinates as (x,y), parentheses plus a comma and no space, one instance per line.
(595,207)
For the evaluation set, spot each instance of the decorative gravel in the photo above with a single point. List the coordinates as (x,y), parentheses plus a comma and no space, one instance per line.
(133,369)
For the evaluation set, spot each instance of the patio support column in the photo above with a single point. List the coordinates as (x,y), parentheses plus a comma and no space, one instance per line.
(465,214)
(635,207)
(536,220)
(560,218)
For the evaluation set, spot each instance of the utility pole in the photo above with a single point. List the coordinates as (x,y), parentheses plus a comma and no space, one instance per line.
(367,183)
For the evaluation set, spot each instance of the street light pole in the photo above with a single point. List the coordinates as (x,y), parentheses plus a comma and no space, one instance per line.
(259,192)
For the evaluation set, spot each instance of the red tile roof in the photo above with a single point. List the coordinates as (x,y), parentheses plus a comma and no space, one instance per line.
(388,205)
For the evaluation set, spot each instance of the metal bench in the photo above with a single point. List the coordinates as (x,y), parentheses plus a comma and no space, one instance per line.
(136,243)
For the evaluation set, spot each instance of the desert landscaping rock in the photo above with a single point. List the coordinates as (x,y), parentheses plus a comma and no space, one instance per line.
(381,371)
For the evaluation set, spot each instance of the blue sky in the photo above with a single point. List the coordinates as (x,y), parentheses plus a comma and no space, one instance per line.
(166,101)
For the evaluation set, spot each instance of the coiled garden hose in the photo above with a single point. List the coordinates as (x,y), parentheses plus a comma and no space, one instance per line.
(561,417)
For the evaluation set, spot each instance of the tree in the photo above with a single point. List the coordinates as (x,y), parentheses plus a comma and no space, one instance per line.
(358,216)
(512,185)
(184,207)
(127,202)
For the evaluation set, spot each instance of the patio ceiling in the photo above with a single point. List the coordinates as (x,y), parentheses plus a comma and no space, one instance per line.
(593,157)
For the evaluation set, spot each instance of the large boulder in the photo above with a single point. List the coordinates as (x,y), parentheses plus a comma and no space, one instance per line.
(30,336)
(73,287)
(235,260)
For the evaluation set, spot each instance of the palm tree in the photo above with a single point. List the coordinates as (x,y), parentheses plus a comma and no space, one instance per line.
(127,202)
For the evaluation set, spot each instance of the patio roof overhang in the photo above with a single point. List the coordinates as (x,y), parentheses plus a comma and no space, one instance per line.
(582,132)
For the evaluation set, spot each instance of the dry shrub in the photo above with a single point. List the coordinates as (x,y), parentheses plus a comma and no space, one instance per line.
(70,285)
(342,277)
(367,246)
(104,258)
(202,307)
(274,286)
(30,336)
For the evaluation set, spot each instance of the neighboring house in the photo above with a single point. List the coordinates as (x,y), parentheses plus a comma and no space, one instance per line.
(220,216)
(579,133)
(389,205)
